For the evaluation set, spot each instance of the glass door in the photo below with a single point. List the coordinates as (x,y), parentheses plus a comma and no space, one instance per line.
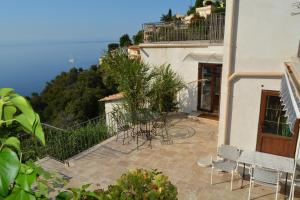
(209,87)
(206,90)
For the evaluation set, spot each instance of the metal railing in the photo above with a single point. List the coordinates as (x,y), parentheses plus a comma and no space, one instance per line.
(210,29)
(62,144)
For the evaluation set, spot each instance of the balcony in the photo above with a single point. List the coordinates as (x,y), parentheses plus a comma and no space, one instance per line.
(209,29)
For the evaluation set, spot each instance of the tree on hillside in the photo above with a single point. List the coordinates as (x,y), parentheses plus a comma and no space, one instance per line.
(112,46)
(72,97)
(192,9)
(138,38)
(168,17)
(125,40)
(36,102)
(199,3)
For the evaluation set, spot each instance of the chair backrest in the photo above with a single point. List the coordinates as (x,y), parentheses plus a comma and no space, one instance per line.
(265,175)
(228,152)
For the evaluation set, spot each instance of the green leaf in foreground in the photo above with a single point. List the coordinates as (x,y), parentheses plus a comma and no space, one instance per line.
(9,168)
(20,194)
(65,195)
(13,142)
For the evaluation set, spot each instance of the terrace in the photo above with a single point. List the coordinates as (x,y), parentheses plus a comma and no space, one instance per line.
(191,139)
(209,29)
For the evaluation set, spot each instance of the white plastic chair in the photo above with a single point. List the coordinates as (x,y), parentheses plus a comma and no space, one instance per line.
(295,181)
(265,177)
(228,161)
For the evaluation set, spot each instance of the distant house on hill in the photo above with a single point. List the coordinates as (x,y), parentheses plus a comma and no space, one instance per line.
(133,51)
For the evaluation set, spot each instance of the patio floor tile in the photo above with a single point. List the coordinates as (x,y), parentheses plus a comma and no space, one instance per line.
(192,140)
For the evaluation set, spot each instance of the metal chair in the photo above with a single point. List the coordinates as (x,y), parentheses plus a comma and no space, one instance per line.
(123,125)
(295,181)
(228,161)
(265,177)
(160,124)
(142,124)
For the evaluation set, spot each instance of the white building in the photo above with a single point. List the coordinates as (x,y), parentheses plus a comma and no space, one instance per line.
(251,79)
(260,36)
(195,52)
(261,40)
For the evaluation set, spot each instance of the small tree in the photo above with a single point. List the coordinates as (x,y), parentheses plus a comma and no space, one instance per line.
(164,89)
(168,17)
(138,38)
(132,77)
(125,40)
(112,46)
(192,9)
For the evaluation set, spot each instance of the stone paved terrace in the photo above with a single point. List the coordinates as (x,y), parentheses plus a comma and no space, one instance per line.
(192,140)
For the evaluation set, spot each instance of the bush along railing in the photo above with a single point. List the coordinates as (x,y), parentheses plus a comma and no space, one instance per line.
(210,29)
(63,144)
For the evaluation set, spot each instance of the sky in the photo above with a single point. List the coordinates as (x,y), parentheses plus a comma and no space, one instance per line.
(77,20)
(38,37)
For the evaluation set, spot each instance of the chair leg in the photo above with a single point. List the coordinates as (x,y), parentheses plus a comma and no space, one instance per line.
(277,188)
(124,137)
(231,184)
(250,186)
(211,175)
(137,141)
(291,191)
(293,194)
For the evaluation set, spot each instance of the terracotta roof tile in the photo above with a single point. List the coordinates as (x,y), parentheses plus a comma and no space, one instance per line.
(113,97)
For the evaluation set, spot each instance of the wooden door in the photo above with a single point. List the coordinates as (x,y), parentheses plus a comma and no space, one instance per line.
(274,135)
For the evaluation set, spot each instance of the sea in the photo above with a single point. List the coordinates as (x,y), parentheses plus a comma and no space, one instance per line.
(27,66)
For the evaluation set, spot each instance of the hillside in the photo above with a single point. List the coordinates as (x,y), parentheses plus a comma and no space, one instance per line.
(72,97)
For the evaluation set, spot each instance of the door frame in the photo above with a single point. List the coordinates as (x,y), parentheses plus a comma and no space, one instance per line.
(212,87)
(260,134)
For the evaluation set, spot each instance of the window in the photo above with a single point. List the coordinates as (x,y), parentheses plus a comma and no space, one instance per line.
(274,120)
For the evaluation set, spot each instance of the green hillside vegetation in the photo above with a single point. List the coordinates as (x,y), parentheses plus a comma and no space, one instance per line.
(72,97)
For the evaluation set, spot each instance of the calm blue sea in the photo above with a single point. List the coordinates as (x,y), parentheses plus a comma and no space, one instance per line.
(28,66)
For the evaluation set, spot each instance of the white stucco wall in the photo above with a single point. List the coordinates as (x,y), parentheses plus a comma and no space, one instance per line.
(109,106)
(266,36)
(184,61)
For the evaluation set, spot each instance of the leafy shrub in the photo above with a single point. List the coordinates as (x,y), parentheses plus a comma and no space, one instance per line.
(143,184)
(164,89)
(138,184)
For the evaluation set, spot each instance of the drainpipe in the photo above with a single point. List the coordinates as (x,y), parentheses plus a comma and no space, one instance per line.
(229,63)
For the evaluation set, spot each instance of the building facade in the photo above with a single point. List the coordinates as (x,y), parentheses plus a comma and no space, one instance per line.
(194,51)
(256,47)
